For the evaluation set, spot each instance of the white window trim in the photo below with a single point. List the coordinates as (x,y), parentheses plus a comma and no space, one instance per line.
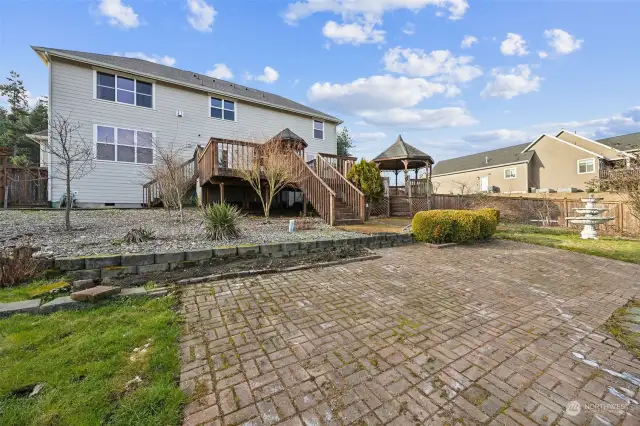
(586,159)
(515,173)
(115,144)
(313,129)
(135,82)
(235,103)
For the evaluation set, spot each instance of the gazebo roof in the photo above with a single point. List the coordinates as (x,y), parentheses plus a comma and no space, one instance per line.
(288,136)
(401,155)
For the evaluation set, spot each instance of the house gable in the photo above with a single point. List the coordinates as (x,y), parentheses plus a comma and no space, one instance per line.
(589,144)
(544,135)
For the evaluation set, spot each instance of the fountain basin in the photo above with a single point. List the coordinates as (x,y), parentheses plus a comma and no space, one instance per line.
(590,210)
(590,220)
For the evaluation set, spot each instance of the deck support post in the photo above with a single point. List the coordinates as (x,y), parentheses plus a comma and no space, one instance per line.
(304,204)
(221,192)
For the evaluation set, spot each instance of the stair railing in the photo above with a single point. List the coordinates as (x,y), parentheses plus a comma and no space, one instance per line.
(344,189)
(151,189)
(315,189)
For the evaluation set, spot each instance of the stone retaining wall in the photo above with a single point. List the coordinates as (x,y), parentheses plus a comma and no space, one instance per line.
(116,265)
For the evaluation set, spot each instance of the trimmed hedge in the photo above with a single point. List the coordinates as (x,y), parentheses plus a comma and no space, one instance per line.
(454,226)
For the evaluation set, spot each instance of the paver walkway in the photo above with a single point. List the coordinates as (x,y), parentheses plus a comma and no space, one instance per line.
(495,333)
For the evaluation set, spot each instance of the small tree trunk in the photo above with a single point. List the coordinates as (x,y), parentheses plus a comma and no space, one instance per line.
(67,211)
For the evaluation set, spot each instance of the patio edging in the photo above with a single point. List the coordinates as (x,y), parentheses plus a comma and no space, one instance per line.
(118,265)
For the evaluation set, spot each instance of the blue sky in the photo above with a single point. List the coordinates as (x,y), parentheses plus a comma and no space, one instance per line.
(384,66)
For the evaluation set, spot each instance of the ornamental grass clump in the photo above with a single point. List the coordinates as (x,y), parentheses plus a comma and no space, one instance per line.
(222,221)
(454,226)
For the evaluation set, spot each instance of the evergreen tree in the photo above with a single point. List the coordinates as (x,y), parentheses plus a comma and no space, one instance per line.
(17,124)
(345,143)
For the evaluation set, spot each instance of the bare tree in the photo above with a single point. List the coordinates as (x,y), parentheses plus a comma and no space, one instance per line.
(170,172)
(72,156)
(273,164)
(462,187)
(624,180)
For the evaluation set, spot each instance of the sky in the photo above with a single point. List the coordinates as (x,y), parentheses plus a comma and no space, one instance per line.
(453,77)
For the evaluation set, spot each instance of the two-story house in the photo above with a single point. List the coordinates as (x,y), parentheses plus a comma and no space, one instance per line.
(127,106)
(566,162)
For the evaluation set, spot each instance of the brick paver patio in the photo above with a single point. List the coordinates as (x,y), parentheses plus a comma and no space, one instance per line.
(496,333)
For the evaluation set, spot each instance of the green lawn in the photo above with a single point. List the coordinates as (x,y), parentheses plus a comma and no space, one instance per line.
(29,290)
(624,249)
(84,360)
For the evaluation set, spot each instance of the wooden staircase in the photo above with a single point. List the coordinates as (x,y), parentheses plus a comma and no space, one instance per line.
(151,190)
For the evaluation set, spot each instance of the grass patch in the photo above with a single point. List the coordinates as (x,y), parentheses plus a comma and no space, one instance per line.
(84,360)
(627,250)
(629,339)
(376,226)
(29,290)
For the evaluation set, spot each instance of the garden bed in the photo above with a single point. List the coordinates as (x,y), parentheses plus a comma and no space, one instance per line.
(102,231)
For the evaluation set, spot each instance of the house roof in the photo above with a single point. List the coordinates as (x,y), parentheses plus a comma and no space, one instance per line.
(186,78)
(624,142)
(391,158)
(497,157)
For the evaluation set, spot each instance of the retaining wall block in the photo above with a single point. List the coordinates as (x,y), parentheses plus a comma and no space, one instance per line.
(132,291)
(298,252)
(102,261)
(185,264)
(306,245)
(136,259)
(69,263)
(118,271)
(324,244)
(279,254)
(169,257)
(248,249)
(270,248)
(156,267)
(65,303)
(22,307)
(200,254)
(289,247)
(85,274)
(225,251)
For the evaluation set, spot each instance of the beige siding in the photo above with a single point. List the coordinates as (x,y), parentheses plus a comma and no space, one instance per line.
(583,143)
(72,92)
(555,165)
(451,184)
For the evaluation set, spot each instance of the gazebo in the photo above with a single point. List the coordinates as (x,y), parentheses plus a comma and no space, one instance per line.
(416,192)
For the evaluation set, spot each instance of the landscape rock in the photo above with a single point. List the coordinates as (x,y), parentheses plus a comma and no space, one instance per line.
(95,293)
(59,304)
(84,284)
(22,307)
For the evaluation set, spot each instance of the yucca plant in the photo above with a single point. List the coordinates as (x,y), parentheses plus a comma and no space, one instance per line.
(222,221)
(138,235)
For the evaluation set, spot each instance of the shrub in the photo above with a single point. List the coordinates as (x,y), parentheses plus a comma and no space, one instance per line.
(138,235)
(453,226)
(222,221)
(18,265)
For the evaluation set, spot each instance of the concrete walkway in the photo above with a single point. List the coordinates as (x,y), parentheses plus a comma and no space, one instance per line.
(494,333)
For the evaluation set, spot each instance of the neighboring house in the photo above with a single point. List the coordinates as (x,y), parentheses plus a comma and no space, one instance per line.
(124,104)
(565,162)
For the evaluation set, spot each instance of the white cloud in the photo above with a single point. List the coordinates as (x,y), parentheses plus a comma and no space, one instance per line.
(441,64)
(514,44)
(369,9)
(562,42)
(379,92)
(158,59)
(269,76)
(517,81)
(617,124)
(498,137)
(468,41)
(542,54)
(118,14)
(426,119)
(368,136)
(409,28)
(201,15)
(221,71)
(354,33)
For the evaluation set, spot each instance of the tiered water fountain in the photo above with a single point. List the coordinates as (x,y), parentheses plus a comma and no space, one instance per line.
(591,217)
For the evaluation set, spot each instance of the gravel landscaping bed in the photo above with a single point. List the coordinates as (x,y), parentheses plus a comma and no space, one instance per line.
(101,231)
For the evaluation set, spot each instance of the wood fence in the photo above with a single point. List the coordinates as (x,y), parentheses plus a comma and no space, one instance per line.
(529,210)
(25,186)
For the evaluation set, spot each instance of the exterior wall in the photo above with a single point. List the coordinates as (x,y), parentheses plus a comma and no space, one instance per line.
(72,94)
(593,147)
(448,184)
(555,166)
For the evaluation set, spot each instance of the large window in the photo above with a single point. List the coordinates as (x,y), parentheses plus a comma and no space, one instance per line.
(510,173)
(115,88)
(124,145)
(318,129)
(223,109)
(586,166)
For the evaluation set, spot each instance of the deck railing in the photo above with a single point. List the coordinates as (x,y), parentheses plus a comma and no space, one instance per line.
(316,190)
(341,163)
(151,189)
(344,189)
(611,174)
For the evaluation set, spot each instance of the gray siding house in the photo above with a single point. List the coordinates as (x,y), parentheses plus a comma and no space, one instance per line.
(123,103)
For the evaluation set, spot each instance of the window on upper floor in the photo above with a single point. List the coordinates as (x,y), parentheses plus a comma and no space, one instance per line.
(510,173)
(587,165)
(124,145)
(124,90)
(318,129)
(222,109)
